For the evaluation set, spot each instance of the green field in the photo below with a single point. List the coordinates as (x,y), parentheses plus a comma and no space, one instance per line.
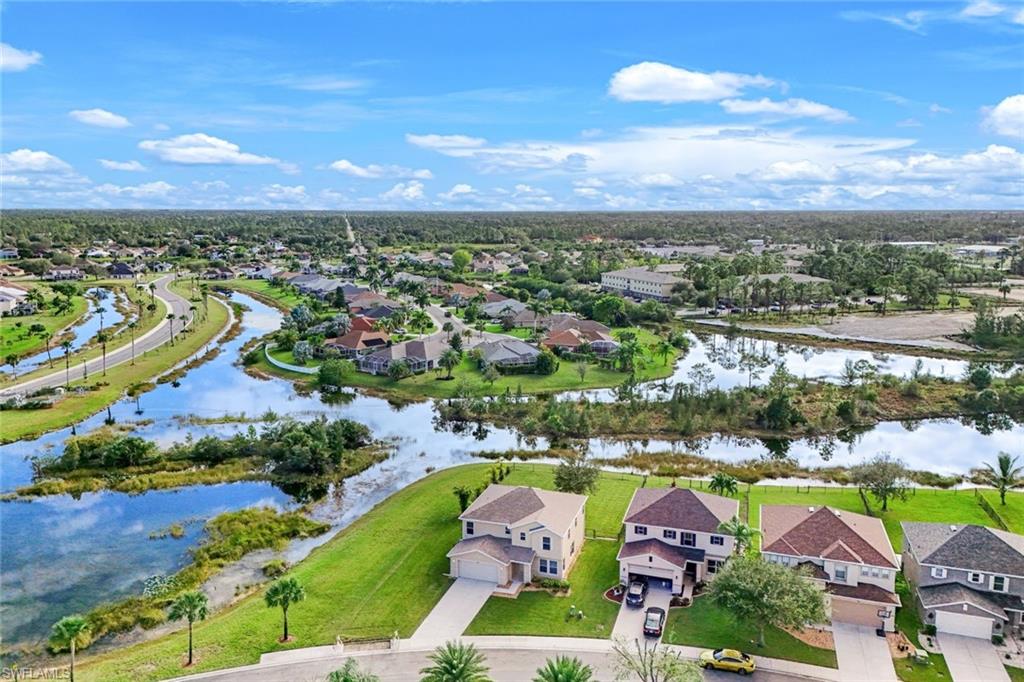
(15,338)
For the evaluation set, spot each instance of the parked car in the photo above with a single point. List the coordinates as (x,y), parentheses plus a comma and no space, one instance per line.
(636,594)
(730,660)
(654,621)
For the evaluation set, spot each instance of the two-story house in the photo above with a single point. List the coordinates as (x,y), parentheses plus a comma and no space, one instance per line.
(672,536)
(848,554)
(511,535)
(968,580)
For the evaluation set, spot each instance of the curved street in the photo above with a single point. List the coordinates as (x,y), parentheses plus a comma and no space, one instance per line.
(155,337)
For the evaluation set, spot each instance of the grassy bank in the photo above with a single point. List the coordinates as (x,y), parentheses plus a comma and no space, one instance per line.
(104,390)
(15,338)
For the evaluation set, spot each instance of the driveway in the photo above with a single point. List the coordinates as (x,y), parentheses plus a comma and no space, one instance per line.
(452,615)
(630,623)
(971,659)
(862,654)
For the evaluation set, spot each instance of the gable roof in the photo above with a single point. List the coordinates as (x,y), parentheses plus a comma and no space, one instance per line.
(677,555)
(573,338)
(826,533)
(499,549)
(680,508)
(516,505)
(955,593)
(360,340)
(506,349)
(969,547)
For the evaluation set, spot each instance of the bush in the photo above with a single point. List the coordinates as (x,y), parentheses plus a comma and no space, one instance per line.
(929,630)
(553,584)
(997,640)
(275,568)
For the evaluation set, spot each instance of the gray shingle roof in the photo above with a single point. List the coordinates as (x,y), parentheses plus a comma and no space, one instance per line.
(955,593)
(970,547)
(514,505)
(500,549)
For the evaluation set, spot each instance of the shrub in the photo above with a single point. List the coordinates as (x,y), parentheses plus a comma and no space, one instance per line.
(275,568)
(929,629)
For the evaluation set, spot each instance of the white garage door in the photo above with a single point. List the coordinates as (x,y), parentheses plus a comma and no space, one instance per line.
(963,624)
(477,570)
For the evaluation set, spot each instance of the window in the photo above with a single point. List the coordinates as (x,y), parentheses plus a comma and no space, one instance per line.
(668,534)
(552,566)
(689,539)
(522,537)
(885,574)
(975,578)
(840,573)
(543,566)
(640,530)
(938,572)
(545,542)
(572,548)
(717,540)
(999,583)
(508,531)
(469,527)
(713,565)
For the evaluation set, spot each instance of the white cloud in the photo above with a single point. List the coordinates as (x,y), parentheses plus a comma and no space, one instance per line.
(122,165)
(149,190)
(936,108)
(1007,117)
(374,171)
(657,82)
(433,141)
(321,83)
(218,185)
(789,171)
(411,191)
(589,182)
(99,117)
(28,160)
(790,108)
(162,127)
(982,8)
(202,149)
(13,59)
(294,194)
(908,123)
(657,180)
(458,191)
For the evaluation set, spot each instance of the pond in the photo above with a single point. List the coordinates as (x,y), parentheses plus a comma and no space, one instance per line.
(86,328)
(97,548)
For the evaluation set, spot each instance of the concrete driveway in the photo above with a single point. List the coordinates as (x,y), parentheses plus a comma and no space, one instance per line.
(630,623)
(452,615)
(862,654)
(971,659)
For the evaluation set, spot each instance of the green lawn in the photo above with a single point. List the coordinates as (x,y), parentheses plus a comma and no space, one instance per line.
(518,332)
(535,613)
(288,357)
(14,335)
(705,625)
(284,299)
(1012,512)
(909,623)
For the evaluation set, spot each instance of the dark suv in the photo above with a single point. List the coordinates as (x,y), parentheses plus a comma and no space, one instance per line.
(636,593)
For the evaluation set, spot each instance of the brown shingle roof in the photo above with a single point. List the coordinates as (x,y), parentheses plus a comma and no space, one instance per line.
(516,505)
(674,554)
(680,508)
(865,591)
(827,533)
(500,549)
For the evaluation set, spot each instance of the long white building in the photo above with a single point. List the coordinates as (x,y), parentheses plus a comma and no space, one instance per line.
(640,282)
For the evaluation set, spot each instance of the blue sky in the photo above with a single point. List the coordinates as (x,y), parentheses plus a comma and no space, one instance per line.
(813,105)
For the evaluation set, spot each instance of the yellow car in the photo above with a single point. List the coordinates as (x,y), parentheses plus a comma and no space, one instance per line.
(728,659)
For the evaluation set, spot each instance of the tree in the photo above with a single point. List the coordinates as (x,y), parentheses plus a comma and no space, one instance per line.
(464,494)
(350,672)
(723,483)
(48,337)
(581,370)
(766,594)
(302,351)
(742,534)
(66,345)
(648,663)
(460,259)
(663,349)
(170,322)
(455,342)
(191,606)
(450,359)
(447,328)
(102,337)
(1004,476)
(491,374)
(884,476)
(398,370)
(284,592)
(546,363)
(576,474)
(132,326)
(564,669)
(610,309)
(71,632)
(12,360)
(455,662)
(333,372)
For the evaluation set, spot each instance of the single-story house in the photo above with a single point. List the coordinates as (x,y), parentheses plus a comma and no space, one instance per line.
(508,353)
(357,343)
(419,354)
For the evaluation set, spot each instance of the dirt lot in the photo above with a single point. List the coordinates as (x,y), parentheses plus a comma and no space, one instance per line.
(1016,292)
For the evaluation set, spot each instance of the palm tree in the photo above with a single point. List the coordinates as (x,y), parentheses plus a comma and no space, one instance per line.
(70,632)
(450,359)
(1004,476)
(1004,289)
(663,349)
(131,328)
(170,320)
(742,533)
(66,345)
(564,669)
(12,360)
(152,292)
(191,606)
(102,337)
(539,308)
(455,662)
(48,337)
(723,483)
(350,672)
(99,311)
(284,593)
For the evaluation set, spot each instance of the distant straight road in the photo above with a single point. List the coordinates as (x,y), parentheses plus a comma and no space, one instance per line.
(157,336)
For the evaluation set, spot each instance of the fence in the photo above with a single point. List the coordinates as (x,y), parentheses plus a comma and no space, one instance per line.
(990,510)
(284,365)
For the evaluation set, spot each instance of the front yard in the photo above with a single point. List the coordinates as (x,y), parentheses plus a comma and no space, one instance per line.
(705,625)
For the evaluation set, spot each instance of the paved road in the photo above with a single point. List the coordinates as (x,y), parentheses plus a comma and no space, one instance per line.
(158,336)
(506,665)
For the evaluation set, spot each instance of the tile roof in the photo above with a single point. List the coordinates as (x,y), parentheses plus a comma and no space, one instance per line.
(674,554)
(515,505)
(360,340)
(827,533)
(967,547)
(680,508)
(500,549)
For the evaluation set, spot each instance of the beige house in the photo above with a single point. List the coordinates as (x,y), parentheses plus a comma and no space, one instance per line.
(848,554)
(511,535)
(640,282)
